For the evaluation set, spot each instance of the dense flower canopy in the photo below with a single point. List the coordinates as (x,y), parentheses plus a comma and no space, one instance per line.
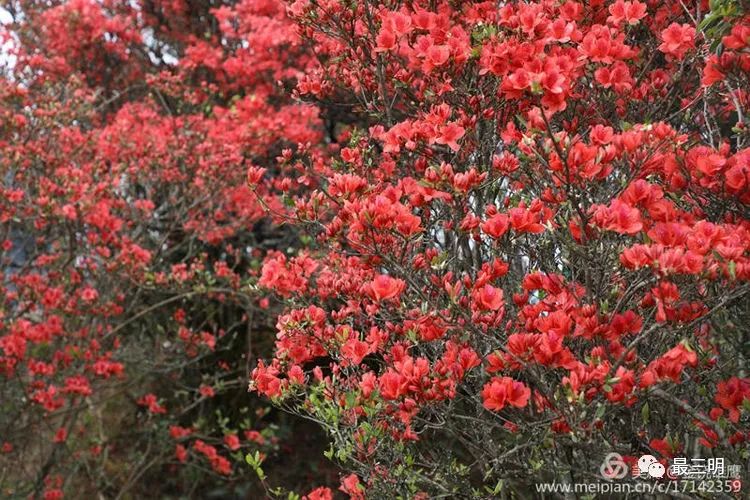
(131,242)
(497,240)
(534,245)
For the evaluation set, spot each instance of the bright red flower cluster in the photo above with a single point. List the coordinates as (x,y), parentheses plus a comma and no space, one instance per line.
(540,219)
(130,240)
(495,235)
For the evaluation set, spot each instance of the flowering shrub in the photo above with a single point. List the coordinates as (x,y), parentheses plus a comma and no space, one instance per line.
(131,244)
(498,241)
(532,247)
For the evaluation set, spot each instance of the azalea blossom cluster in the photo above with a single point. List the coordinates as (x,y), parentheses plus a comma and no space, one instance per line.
(130,242)
(533,246)
(477,243)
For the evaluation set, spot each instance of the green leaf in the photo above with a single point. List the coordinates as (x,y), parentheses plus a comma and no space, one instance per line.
(351,400)
(600,412)
(498,487)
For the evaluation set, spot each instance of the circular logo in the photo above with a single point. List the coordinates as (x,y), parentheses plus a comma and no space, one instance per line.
(613,467)
(656,470)
(645,462)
